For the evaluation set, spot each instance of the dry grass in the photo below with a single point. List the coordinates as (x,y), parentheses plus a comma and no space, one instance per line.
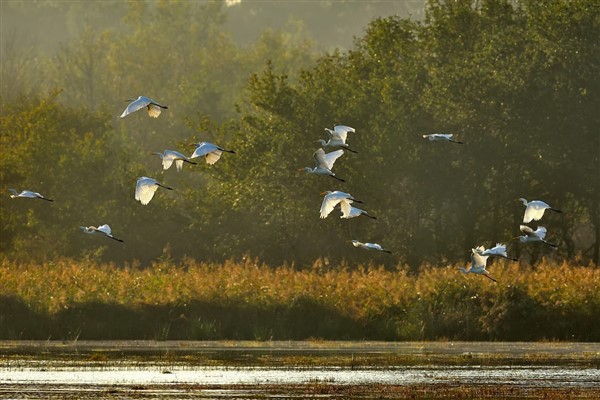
(550,301)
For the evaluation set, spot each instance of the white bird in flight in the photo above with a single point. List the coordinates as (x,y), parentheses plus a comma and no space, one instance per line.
(145,188)
(478,263)
(351,212)
(436,137)
(499,250)
(27,194)
(534,210)
(153,107)
(332,198)
(210,152)
(369,246)
(337,137)
(171,155)
(533,236)
(324,163)
(102,230)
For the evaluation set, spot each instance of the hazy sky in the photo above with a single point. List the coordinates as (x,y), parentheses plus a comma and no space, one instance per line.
(48,24)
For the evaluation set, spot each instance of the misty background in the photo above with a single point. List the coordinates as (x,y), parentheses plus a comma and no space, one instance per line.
(516,81)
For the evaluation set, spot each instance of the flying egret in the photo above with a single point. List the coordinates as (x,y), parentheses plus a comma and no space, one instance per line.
(102,230)
(499,250)
(27,194)
(171,155)
(337,137)
(210,152)
(534,210)
(351,212)
(141,102)
(533,236)
(324,163)
(478,262)
(145,188)
(369,246)
(332,198)
(436,137)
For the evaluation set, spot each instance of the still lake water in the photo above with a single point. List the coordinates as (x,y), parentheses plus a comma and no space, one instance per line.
(36,370)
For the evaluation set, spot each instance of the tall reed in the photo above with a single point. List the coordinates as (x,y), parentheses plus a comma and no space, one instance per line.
(66,299)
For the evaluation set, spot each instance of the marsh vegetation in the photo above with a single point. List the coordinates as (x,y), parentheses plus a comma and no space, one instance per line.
(71,300)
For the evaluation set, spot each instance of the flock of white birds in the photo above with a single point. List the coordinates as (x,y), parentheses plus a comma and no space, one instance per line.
(146,187)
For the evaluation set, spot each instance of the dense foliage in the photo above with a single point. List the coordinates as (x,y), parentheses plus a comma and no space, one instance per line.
(516,81)
(68,299)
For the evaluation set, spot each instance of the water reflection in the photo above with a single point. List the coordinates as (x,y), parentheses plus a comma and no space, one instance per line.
(139,374)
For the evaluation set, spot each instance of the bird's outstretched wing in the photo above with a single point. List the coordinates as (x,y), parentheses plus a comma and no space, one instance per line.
(105,229)
(541,232)
(202,149)
(319,156)
(477,259)
(347,209)
(331,157)
(534,211)
(137,104)
(527,230)
(342,131)
(144,190)
(177,157)
(329,202)
(211,152)
(153,110)
(213,156)
(339,135)
(343,128)
(179,164)
(326,161)
(167,161)
(498,250)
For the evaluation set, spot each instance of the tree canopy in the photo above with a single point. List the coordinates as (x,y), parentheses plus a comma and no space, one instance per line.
(516,81)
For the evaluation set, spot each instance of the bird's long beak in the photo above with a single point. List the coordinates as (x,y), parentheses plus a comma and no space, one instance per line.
(322,193)
(515,238)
